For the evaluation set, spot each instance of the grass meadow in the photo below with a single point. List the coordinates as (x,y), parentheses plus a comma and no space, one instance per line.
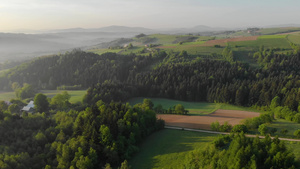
(195,108)
(168,148)
(280,124)
(6,96)
(76,95)
(278,30)
(266,42)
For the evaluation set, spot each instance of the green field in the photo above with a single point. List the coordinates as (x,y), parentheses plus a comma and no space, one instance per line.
(267,31)
(6,96)
(195,47)
(233,35)
(76,95)
(266,42)
(280,124)
(272,36)
(195,108)
(101,51)
(295,38)
(167,148)
(163,38)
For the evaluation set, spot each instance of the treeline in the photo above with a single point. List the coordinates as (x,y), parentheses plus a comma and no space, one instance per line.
(238,151)
(75,68)
(175,76)
(101,134)
(212,81)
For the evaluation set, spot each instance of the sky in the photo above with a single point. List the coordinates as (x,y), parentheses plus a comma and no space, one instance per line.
(155,14)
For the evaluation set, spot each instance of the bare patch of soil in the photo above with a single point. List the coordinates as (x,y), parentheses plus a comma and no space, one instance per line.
(233,117)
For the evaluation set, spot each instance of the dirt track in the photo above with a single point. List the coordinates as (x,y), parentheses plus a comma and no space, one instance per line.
(233,117)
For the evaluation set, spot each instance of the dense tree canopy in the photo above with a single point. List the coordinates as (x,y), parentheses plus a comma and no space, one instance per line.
(241,152)
(104,133)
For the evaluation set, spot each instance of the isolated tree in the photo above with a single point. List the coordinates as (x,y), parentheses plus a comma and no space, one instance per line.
(27,91)
(41,103)
(147,104)
(275,102)
(61,101)
(263,129)
(179,109)
(215,126)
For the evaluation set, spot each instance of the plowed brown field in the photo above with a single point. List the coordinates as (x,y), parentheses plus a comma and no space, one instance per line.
(233,117)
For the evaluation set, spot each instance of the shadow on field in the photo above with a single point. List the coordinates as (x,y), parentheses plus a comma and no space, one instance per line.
(166,146)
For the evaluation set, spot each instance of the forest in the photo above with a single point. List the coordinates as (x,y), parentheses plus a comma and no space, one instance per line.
(100,135)
(105,131)
(238,151)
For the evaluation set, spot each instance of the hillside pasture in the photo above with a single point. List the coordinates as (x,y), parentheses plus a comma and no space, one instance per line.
(266,42)
(223,42)
(163,38)
(272,36)
(270,31)
(233,117)
(193,48)
(101,51)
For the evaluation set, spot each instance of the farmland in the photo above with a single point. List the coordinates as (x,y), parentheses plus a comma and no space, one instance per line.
(269,31)
(233,117)
(241,70)
(168,148)
(267,42)
(295,38)
(195,108)
(201,114)
(7,95)
(76,95)
(211,46)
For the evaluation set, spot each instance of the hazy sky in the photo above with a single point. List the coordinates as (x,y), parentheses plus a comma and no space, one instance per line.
(58,14)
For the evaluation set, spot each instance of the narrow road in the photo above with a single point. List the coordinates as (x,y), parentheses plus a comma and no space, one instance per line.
(216,132)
